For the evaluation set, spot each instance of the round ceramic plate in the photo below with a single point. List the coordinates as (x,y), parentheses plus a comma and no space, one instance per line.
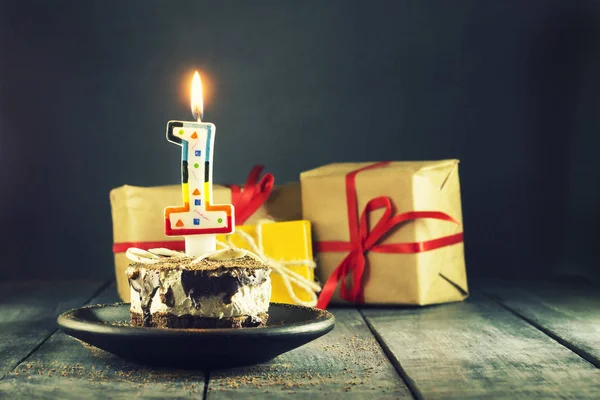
(106,326)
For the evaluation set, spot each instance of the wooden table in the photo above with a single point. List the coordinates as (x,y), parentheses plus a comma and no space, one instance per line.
(508,340)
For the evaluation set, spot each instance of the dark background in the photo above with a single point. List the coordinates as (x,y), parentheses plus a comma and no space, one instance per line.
(511,88)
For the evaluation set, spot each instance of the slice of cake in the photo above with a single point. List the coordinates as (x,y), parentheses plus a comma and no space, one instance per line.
(229,288)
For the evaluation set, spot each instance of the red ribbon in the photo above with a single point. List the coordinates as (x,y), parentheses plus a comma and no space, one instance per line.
(253,196)
(363,240)
(245,201)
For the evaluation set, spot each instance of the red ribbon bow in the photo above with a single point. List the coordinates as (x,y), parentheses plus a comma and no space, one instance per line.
(254,194)
(245,201)
(363,240)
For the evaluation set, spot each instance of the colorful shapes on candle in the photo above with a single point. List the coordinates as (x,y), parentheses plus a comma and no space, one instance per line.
(185,208)
(182,221)
(173,129)
(226,227)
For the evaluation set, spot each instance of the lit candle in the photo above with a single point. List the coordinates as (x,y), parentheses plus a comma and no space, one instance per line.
(198,220)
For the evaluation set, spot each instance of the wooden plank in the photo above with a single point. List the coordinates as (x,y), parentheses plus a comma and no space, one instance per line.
(566,310)
(477,349)
(344,364)
(66,368)
(28,312)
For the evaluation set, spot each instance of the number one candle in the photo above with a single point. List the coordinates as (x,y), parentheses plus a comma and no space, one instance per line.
(198,220)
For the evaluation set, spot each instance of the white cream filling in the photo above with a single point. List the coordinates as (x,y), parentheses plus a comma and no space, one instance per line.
(248,300)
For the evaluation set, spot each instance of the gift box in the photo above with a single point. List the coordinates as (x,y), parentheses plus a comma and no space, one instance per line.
(387,232)
(138,221)
(287,248)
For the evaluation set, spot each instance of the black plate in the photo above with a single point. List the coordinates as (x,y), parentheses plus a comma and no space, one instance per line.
(106,326)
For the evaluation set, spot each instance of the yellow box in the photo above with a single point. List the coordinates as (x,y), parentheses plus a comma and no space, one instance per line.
(281,241)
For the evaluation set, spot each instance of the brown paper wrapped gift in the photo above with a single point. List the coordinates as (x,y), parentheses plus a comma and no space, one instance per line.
(138,216)
(418,276)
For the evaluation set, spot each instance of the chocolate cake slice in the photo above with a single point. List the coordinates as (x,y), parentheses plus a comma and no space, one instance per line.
(229,288)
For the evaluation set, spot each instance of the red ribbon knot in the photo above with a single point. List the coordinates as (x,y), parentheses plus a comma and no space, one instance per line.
(363,240)
(255,193)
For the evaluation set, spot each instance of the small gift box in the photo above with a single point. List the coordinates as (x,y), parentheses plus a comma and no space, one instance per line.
(287,248)
(138,221)
(387,232)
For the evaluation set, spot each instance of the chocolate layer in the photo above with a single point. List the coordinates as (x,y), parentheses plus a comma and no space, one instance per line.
(166,320)
(168,298)
(146,286)
(226,281)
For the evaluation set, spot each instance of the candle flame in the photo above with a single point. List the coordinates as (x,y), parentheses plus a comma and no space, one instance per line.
(197,103)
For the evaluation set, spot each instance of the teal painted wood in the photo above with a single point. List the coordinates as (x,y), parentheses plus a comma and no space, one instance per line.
(567,310)
(66,368)
(347,363)
(28,312)
(478,349)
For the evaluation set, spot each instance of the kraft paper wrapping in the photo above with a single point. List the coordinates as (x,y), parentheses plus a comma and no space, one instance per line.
(431,277)
(138,215)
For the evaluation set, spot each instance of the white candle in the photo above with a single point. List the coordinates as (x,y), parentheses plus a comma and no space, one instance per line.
(198,220)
